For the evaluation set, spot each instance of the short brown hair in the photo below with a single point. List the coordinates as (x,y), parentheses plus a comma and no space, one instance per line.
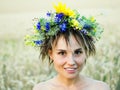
(86,41)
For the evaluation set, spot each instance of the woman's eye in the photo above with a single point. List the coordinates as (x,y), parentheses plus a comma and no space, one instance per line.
(61,53)
(78,52)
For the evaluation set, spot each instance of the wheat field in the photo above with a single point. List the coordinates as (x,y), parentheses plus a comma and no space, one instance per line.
(20,66)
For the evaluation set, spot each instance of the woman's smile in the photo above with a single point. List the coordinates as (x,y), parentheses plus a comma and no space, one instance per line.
(70,70)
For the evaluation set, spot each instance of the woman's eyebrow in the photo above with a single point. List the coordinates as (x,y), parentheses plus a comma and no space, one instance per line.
(60,49)
(79,49)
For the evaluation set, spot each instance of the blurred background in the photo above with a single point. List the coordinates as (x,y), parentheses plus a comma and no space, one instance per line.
(20,66)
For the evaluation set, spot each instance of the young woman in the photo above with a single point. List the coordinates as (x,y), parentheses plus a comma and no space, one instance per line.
(67,40)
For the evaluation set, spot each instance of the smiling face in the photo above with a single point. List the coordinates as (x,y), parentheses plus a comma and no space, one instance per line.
(68,58)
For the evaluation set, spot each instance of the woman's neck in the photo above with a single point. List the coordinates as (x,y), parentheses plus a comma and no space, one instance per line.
(68,82)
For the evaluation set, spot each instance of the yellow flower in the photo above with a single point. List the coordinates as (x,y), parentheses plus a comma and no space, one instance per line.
(27,36)
(61,8)
(75,23)
(36,31)
(70,12)
(92,19)
(29,43)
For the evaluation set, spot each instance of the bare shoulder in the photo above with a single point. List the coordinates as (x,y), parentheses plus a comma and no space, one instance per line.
(102,85)
(42,86)
(38,86)
(98,85)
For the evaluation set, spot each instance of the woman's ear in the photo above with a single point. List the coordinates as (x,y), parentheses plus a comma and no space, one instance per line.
(50,54)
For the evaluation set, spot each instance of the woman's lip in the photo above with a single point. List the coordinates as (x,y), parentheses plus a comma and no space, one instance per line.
(70,70)
(70,67)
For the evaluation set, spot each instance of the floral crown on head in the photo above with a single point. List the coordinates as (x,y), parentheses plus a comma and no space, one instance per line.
(61,20)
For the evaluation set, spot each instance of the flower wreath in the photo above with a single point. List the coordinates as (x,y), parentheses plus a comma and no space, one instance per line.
(61,20)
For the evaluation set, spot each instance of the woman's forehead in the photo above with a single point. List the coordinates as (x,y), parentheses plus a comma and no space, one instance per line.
(64,44)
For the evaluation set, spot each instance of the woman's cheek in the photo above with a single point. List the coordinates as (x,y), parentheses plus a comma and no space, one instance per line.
(80,61)
(59,60)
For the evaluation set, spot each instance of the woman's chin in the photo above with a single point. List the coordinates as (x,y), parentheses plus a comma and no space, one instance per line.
(72,76)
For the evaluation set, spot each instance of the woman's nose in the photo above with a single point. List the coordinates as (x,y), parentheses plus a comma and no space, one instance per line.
(71,60)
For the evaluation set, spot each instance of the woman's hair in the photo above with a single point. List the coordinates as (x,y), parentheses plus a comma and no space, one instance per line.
(64,22)
(82,39)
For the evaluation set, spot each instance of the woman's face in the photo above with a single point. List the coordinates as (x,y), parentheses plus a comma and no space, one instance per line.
(68,59)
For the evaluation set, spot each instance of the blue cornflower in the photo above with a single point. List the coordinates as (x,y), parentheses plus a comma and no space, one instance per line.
(38,26)
(57,20)
(84,31)
(58,17)
(47,26)
(38,42)
(48,14)
(63,27)
(86,26)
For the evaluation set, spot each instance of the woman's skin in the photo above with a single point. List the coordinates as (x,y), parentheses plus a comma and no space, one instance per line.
(69,60)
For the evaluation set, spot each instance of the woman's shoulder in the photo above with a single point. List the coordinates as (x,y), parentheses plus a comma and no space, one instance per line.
(43,85)
(101,85)
(39,86)
(96,84)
